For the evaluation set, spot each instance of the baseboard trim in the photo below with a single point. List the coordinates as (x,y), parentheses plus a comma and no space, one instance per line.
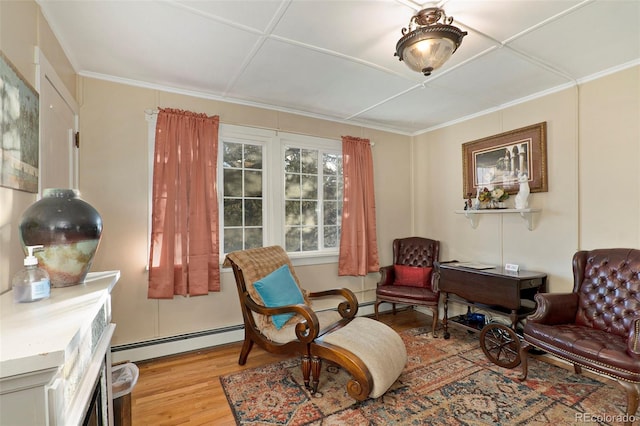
(166,346)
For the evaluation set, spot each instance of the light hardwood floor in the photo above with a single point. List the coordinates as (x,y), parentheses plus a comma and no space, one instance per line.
(185,389)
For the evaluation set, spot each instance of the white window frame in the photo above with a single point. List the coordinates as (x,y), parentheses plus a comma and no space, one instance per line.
(274,146)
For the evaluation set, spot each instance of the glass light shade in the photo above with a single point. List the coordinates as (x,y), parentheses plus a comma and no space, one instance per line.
(430,44)
(427,55)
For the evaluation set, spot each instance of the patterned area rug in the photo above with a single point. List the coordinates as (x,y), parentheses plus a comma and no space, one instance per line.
(445,382)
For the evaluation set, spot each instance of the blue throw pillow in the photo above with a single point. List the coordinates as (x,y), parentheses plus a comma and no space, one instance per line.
(279,289)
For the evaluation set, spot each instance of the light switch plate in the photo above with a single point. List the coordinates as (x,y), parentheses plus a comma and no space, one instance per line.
(511,267)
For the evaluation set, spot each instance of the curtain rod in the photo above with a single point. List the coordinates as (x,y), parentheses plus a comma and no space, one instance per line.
(150,112)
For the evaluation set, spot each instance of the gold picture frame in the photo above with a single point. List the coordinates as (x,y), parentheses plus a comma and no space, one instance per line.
(499,161)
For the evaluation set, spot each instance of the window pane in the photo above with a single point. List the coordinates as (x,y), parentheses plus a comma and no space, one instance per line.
(330,188)
(331,237)
(252,184)
(232,183)
(292,239)
(253,156)
(232,240)
(292,186)
(253,238)
(292,160)
(309,213)
(309,187)
(309,161)
(232,156)
(252,213)
(232,212)
(309,238)
(331,164)
(330,213)
(292,213)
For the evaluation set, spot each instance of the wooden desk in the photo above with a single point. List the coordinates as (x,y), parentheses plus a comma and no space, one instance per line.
(493,289)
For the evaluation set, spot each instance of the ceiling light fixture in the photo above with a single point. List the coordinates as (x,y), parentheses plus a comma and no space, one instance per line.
(430,44)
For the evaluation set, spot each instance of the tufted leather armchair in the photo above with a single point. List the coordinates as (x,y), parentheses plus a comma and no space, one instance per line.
(416,252)
(597,326)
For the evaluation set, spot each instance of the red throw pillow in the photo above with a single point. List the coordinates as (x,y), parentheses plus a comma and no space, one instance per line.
(412,276)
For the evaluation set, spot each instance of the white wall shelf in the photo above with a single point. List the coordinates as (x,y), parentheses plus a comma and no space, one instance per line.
(474,215)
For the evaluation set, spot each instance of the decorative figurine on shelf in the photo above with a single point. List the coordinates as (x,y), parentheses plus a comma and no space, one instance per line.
(523,194)
(476,202)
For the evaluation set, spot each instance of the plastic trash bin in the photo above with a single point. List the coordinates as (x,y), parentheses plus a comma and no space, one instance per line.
(123,379)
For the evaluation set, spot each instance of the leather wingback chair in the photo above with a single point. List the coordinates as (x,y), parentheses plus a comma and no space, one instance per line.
(412,252)
(597,325)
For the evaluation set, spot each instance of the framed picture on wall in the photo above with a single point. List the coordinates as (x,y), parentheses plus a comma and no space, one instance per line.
(500,160)
(19,130)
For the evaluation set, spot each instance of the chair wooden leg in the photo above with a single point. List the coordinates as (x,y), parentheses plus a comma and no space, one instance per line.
(434,309)
(306,370)
(246,348)
(577,369)
(524,355)
(375,307)
(633,397)
(394,308)
(316,366)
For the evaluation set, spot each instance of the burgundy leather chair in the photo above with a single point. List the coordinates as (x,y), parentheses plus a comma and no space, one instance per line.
(410,280)
(597,326)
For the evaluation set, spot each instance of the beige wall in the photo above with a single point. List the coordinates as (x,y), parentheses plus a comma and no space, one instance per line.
(593,152)
(114,179)
(609,161)
(22,28)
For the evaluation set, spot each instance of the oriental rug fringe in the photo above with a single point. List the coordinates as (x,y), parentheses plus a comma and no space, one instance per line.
(445,382)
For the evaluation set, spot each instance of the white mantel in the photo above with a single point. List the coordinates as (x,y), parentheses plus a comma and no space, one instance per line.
(53,352)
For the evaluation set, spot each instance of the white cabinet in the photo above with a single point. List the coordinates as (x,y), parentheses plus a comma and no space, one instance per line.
(55,355)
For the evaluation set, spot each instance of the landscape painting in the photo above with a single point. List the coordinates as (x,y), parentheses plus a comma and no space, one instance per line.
(19,130)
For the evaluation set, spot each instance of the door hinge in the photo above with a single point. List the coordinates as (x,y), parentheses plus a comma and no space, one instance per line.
(77,140)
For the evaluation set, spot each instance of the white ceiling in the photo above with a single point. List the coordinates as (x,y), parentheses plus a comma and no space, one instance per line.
(334,59)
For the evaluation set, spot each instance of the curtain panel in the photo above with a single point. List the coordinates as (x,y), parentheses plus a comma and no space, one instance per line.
(184,256)
(358,241)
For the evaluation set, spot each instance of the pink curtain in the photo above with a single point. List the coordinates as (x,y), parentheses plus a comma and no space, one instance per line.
(358,242)
(184,257)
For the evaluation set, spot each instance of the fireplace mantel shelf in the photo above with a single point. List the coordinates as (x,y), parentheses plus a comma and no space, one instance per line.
(474,215)
(55,352)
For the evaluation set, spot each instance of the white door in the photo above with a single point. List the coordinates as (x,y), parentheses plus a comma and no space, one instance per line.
(58,166)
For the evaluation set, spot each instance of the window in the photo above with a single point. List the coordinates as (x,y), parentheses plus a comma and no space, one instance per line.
(312,199)
(280,188)
(243,182)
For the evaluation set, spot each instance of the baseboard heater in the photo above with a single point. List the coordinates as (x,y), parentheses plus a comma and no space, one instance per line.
(165,346)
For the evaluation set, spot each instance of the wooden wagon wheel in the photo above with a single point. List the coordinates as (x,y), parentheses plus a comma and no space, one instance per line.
(501,345)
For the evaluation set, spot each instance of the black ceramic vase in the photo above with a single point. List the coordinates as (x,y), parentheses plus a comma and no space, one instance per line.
(68,228)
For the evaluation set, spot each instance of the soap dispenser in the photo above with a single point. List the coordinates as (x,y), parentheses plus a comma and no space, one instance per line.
(31,283)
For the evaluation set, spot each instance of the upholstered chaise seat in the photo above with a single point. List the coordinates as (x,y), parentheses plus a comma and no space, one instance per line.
(372,352)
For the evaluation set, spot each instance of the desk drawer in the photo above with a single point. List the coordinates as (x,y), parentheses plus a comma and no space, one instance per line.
(534,283)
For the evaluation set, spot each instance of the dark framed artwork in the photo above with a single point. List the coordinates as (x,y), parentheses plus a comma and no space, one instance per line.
(19,130)
(499,161)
